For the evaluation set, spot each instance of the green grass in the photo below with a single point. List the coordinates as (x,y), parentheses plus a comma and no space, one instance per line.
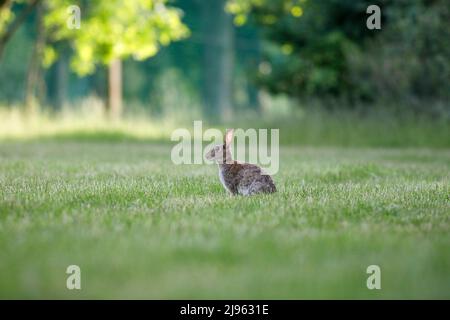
(140,227)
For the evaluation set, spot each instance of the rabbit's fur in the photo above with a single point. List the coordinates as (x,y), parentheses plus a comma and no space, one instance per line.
(239,178)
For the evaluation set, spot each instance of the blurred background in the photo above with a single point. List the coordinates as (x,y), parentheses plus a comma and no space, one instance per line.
(137,69)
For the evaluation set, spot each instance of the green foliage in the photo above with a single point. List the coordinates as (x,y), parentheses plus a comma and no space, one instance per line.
(409,60)
(268,12)
(329,52)
(305,49)
(308,43)
(140,227)
(114,30)
(6,15)
(12,67)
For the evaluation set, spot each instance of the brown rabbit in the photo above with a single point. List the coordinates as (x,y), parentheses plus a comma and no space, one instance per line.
(239,178)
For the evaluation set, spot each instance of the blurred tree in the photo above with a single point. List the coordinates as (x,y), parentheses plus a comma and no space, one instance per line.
(304,48)
(10,22)
(308,41)
(58,78)
(13,70)
(218,59)
(112,31)
(35,83)
(409,61)
(324,49)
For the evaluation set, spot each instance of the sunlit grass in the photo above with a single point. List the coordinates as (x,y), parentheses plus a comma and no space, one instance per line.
(90,124)
(297,127)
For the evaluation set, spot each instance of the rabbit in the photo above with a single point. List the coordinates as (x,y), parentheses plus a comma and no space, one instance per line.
(239,178)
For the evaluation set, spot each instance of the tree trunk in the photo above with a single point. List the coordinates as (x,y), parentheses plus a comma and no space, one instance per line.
(218,60)
(114,105)
(254,60)
(35,83)
(61,80)
(16,23)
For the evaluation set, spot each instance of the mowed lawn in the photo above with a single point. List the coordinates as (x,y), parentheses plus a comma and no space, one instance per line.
(140,227)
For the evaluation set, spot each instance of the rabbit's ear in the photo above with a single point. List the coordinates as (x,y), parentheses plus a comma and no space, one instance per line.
(229,136)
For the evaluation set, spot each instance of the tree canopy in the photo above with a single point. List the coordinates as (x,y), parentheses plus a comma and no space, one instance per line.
(113,29)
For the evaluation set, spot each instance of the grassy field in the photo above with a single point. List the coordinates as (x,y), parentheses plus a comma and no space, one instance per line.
(140,227)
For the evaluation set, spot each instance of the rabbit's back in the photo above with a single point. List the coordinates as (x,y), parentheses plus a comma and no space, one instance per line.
(245,179)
